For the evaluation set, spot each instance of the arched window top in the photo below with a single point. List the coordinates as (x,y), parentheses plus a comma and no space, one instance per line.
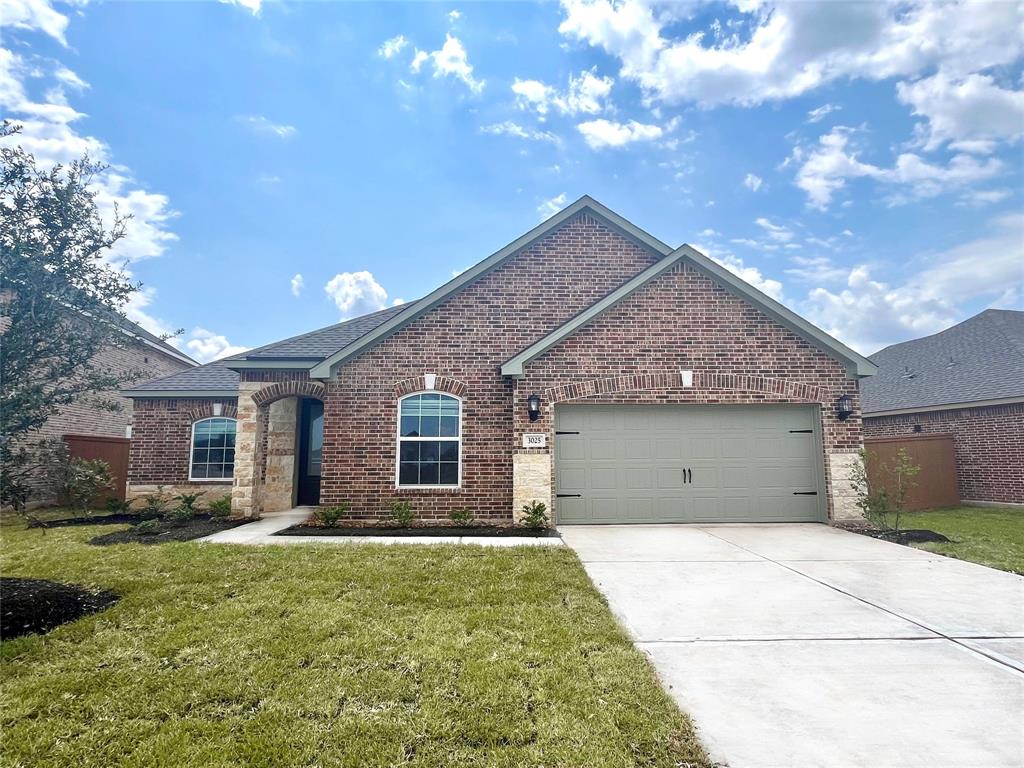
(213,449)
(429,440)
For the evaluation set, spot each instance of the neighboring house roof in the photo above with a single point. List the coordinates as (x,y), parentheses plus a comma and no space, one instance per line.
(979,360)
(857,364)
(134,329)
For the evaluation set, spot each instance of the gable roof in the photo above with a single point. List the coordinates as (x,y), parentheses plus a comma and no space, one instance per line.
(151,340)
(324,369)
(980,359)
(220,378)
(856,364)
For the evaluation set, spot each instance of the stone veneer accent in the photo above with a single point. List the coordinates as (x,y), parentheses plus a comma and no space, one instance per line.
(988,442)
(278,490)
(844,497)
(531,481)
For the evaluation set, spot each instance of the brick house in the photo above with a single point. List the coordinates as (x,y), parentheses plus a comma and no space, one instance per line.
(586,365)
(966,381)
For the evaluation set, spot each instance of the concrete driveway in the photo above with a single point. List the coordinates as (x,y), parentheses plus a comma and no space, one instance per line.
(804,645)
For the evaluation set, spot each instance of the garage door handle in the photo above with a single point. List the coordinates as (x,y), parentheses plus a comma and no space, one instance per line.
(568,495)
(565,432)
(805,493)
(801,431)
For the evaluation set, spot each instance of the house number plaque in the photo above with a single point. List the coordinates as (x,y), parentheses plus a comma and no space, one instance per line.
(535,440)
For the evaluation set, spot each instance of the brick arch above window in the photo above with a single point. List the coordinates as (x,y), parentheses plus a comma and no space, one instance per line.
(782,388)
(282,389)
(205,411)
(440,384)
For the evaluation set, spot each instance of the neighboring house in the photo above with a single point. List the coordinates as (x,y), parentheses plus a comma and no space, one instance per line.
(92,431)
(968,382)
(586,365)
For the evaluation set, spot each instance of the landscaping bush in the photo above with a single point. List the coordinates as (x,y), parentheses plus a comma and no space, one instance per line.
(535,514)
(179,515)
(402,514)
(220,507)
(154,504)
(72,481)
(116,506)
(329,516)
(188,499)
(148,528)
(881,507)
(461,516)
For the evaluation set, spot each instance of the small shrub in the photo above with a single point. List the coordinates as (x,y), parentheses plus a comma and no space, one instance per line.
(220,507)
(402,514)
(148,528)
(535,514)
(188,499)
(329,516)
(154,504)
(461,516)
(179,515)
(71,480)
(116,506)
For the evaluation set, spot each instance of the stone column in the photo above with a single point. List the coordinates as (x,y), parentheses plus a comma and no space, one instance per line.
(531,481)
(277,493)
(247,448)
(844,498)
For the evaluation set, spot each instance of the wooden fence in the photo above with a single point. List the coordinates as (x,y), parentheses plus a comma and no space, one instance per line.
(113,450)
(936,483)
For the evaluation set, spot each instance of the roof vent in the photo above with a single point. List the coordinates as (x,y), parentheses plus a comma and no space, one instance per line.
(907,373)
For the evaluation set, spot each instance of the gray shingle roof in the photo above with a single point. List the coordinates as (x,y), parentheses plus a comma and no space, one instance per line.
(982,358)
(217,376)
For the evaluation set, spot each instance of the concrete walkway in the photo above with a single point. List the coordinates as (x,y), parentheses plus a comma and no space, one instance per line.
(262,532)
(804,645)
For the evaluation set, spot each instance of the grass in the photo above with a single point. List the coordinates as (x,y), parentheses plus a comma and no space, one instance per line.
(992,536)
(356,655)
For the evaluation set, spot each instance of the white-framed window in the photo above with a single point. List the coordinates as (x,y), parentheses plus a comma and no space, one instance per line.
(429,444)
(212,456)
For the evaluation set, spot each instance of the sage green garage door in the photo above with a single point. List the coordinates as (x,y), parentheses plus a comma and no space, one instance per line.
(688,464)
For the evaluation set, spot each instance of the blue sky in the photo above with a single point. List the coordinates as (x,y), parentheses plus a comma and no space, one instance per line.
(291,164)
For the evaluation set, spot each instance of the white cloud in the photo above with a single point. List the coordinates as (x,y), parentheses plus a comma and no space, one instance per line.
(32,15)
(586,94)
(774,231)
(450,60)
(392,46)
(979,197)
(454,16)
(549,208)
(869,314)
(816,269)
(750,274)
(297,283)
(356,293)
(206,346)
(789,49)
(255,7)
(973,113)
(601,133)
(752,182)
(510,128)
(825,169)
(261,124)
(66,77)
(817,115)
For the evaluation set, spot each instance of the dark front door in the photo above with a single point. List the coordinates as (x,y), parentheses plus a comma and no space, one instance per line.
(311,443)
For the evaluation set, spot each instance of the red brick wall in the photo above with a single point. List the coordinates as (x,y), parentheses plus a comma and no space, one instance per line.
(989,444)
(466,338)
(161,438)
(681,320)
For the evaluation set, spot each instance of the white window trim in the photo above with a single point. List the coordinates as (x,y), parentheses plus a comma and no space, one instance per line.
(192,449)
(399,439)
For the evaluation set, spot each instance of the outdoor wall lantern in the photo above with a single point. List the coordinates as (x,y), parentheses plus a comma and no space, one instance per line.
(844,407)
(533,406)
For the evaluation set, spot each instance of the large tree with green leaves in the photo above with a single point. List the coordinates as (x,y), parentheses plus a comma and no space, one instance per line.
(61,300)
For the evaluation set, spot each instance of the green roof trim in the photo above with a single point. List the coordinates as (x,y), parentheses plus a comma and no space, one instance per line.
(856,364)
(326,368)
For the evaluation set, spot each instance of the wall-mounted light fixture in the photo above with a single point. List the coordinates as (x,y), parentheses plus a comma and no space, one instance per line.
(844,407)
(533,406)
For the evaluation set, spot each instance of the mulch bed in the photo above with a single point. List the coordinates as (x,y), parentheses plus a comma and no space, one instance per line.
(120,518)
(418,530)
(913,536)
(30,606)
(196,528)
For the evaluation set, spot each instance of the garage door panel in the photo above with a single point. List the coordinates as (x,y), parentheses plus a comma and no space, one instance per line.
(646,464)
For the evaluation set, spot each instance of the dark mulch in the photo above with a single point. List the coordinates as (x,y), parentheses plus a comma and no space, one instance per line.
(34,606)
(913,536)
(417,530)
(196,528)
(120,518)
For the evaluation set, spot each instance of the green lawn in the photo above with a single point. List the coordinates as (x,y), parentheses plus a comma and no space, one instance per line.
(992,536)
(362,655)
